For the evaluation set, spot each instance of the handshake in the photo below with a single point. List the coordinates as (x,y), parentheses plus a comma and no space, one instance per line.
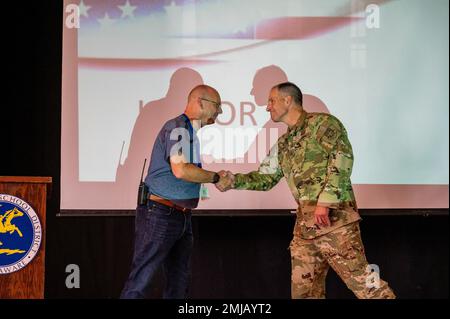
(226,181)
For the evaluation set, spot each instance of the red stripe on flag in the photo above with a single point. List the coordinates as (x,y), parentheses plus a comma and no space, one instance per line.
(299,27)
(139,64)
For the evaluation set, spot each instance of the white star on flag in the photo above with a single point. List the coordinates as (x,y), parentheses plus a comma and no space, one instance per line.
(127,10)
(83,9)
(106,21)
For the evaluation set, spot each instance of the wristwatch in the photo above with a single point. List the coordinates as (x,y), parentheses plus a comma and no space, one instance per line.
(216,178)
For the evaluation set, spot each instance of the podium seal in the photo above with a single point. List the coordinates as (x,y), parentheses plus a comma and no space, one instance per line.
(20,234)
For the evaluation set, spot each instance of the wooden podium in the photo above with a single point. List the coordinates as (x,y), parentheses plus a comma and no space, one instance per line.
(27,282)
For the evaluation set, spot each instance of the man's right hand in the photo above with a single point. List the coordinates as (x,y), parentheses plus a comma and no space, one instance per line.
(226,181)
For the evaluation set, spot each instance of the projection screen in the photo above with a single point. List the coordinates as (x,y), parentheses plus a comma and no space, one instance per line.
(381,67)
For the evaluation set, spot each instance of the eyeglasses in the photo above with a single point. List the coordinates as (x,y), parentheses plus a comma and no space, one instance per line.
(216,104)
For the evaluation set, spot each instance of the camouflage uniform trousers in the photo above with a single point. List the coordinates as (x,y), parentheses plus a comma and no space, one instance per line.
(343,250)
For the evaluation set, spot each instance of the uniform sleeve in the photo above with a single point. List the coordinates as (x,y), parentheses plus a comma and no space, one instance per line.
(340,162)
(265,178)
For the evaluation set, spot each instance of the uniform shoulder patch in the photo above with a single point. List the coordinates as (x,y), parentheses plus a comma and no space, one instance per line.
(328,134)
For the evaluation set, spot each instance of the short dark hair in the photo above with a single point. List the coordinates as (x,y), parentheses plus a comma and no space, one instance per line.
(291,89)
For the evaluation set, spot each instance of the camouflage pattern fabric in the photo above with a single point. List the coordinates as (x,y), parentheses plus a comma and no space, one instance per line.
(316,158)
(341,249)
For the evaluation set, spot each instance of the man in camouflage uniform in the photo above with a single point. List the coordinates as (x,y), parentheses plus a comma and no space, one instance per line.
(315,157)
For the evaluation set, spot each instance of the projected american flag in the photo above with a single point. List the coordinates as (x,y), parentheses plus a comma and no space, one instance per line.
(156,34)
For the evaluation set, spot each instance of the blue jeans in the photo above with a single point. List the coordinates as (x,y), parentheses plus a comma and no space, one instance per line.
(163,237)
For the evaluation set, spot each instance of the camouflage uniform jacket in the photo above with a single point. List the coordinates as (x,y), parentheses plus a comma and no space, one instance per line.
(316,158)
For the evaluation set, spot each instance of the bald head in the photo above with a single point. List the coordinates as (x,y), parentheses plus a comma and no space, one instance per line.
(204,104)
(202,91)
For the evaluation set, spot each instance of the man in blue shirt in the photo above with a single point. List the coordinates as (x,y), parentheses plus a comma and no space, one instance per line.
(163,230)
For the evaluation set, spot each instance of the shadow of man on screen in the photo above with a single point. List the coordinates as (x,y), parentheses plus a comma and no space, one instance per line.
(267,77)
(149,122)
